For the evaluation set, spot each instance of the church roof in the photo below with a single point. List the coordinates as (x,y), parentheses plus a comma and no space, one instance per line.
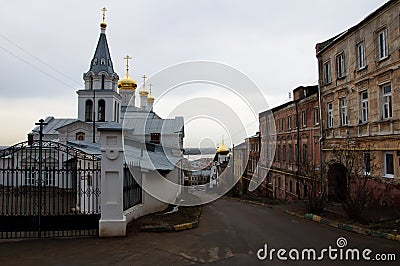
(102,59)
(53,124)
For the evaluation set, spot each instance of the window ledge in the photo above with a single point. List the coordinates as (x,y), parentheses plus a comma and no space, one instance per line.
(380,60)
(362,68)
(341,77)
(388,176)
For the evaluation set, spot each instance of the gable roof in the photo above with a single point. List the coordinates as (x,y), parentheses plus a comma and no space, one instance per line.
(53,124)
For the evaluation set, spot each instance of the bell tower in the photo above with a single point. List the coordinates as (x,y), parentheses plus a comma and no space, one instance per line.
(99,101)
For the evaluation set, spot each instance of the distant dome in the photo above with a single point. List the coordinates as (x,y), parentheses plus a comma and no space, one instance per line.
(223,150)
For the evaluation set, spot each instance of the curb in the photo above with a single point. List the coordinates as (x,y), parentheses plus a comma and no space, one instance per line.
(350,228)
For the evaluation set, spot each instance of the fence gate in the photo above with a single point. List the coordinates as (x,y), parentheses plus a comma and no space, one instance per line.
(48,189)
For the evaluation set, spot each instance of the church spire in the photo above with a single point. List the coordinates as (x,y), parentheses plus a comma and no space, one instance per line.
(102,59)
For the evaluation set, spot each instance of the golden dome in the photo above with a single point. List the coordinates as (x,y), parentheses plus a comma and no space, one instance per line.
(222,149)
(150,99)
(127,83)
(143,92)
(103,25)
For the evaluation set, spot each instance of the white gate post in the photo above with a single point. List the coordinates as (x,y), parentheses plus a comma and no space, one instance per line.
(112,221)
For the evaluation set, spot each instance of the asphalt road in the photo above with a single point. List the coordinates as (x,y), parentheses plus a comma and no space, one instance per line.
(230,233)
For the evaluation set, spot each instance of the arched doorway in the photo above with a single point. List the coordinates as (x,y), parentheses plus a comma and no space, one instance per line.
(337,182)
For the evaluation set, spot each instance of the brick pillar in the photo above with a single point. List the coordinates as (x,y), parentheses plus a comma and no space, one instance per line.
(112,221)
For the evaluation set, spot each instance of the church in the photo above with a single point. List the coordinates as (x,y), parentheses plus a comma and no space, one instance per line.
(107,100)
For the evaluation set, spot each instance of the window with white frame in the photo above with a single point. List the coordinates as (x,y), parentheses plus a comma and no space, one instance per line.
(330,115)
(289,122)
(361,55)
(316,115)
(340,65)
(386,101)
(382,47)
(303,119)
(326,72)
(343,111)
(290,153)
(388,164)
(364,107)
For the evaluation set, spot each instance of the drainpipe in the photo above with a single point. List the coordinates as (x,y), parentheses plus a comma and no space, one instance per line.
(298,150)
(321,127)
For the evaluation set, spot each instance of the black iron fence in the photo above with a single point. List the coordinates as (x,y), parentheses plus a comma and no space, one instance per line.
(48,189)
(132,185)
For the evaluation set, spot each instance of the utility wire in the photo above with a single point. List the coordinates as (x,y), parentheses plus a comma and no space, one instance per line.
(39,60)
(35,67)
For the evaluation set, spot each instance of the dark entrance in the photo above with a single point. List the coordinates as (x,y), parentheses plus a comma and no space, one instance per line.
(337,182)
(48,189)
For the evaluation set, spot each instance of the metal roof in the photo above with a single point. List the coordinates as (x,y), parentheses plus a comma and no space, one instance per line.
(102,53)
(53,124)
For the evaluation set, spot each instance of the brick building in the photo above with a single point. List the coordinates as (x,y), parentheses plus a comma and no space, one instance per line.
(253,155)
(290,145)
(359,78)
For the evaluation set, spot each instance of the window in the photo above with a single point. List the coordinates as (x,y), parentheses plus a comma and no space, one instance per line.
(382,49)
(340,65)
(361,56)
(102,61)
(330,115)
(326,72)
(366,163)
(89,111)
(316,115)
(388,164)
(386,101)
(80,136)
(364,107)
(296,121)
(303,119)
(290,186)
(95,61)
(103,81)
(290,153)
(279,152)
(284,153)
(296,152)
(289,122)
(343,111)
(155,138)
(102,111)
(279,124)
(305,153)
(283,124)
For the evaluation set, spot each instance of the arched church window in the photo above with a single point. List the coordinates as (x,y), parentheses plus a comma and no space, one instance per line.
(102,61)
(89,111)
(95,61)
(102,111)
(103,81)
(109,62)
(80,136)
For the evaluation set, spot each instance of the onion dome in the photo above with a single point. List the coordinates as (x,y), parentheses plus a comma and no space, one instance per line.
(222,149)
(144,92)
(150,98)
(127,83)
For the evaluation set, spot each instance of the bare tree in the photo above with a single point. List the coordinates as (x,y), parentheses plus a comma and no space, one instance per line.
(354,195)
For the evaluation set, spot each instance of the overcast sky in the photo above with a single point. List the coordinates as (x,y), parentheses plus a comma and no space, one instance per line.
(46,46)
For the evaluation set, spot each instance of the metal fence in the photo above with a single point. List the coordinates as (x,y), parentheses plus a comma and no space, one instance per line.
(132,185)
(48,189)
